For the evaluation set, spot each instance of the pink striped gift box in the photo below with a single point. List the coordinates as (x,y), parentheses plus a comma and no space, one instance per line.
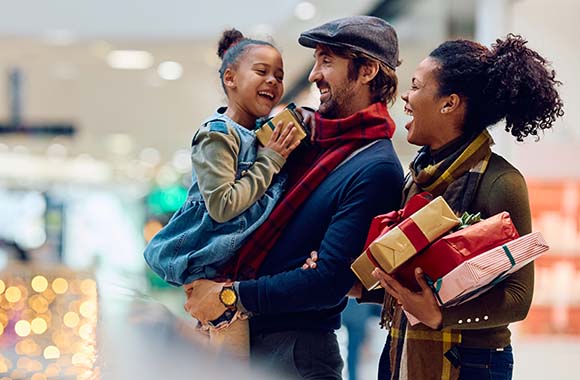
(476,276)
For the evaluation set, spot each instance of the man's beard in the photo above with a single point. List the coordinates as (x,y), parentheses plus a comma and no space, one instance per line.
(338,106)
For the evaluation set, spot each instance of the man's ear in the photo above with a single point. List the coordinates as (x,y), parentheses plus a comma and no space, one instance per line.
(230,78)
(368,72)
(451,103)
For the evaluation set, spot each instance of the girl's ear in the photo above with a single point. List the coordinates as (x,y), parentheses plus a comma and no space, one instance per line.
(368,72)
(230,78)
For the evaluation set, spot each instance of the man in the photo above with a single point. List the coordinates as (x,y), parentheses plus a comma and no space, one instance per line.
(295,312)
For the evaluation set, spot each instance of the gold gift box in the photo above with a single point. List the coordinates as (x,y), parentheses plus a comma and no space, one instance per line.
(394,247)
(287,115)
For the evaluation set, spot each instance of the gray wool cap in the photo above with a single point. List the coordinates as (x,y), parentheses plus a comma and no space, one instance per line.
(370,35)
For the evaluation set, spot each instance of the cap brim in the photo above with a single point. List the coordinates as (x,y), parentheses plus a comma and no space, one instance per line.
(308,42)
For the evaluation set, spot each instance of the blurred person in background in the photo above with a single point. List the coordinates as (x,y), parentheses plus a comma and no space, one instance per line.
(456,93)
(235,182)
(354,174)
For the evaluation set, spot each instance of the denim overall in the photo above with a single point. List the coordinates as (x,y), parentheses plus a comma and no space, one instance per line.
(192,245)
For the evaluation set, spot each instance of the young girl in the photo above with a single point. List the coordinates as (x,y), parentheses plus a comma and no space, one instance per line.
(235,182)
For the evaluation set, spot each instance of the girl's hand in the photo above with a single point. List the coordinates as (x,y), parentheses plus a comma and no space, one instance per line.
(422,304)
(311,261)
(282,139)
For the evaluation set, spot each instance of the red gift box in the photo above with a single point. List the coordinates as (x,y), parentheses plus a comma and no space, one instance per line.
(451,250)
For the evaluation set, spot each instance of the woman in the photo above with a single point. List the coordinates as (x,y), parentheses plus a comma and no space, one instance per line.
(457,92)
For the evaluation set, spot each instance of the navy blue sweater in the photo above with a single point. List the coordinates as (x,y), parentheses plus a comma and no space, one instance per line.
(334,221)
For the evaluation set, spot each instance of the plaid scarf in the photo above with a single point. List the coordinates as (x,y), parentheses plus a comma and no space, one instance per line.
(417,352)
(336,140)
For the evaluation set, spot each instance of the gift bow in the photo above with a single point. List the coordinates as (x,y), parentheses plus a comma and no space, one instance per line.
(381,224)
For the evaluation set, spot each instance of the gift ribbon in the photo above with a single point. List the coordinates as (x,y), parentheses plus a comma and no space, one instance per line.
(414,234)
(381,224)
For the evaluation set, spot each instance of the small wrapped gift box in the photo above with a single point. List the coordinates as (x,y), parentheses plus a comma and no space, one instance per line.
(287,115)
(479,274)
(451,250)
(397,244)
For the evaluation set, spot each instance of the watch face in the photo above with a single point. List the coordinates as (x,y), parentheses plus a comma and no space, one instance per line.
(228,296)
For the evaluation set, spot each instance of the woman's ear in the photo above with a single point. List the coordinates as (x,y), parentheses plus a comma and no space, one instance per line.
(451,103)
(368,72)
(230,78)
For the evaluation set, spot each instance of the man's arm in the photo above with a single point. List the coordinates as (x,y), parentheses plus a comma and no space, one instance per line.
(376,190)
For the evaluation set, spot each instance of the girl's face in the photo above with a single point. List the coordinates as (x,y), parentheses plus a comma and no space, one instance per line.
(256,85)
(430,125)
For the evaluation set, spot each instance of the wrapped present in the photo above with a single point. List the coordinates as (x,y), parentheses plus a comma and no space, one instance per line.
(397,244)
(287,115)
(451,250)
(483,272)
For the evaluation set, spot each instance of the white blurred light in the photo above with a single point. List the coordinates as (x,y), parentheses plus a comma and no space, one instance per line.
(181,161)
(120,143)
(4,148)
(20,149)
(166,176)
(170,70)
(150,156)
(59,37)
(130,59)
(56,150)
(305,10)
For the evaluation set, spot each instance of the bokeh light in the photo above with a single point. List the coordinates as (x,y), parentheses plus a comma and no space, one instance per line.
(60,285)
(38,326)
(51,352)
(22,328)
(71,319)
(39,283)
(13,294)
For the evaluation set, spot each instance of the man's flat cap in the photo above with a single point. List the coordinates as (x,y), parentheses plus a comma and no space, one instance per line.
(370,35)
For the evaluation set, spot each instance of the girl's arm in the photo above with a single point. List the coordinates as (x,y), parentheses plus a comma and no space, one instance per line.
(214,159)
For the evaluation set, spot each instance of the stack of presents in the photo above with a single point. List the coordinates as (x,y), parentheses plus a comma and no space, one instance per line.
(461,257)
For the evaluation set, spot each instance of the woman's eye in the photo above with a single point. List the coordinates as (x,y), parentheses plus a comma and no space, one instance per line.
(280,79)
(261,72)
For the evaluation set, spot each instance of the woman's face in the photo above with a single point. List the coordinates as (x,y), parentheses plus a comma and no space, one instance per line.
(429,125)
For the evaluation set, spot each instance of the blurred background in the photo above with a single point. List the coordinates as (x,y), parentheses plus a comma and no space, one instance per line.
(99,101)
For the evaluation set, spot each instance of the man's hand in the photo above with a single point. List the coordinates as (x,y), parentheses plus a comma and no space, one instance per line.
(203,302)
(422,304)
(308,120)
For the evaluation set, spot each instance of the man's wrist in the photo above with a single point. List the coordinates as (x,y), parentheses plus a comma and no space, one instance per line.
(239,305)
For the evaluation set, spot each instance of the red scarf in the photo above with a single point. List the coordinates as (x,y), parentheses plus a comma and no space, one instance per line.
(338,138)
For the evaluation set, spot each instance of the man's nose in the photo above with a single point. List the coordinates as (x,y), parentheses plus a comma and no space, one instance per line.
(314,75)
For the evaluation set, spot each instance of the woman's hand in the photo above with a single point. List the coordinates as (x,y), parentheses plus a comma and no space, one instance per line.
(422,304)
(282,139)
(203,302)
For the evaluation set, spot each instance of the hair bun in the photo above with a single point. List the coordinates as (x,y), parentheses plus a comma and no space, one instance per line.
(229,39)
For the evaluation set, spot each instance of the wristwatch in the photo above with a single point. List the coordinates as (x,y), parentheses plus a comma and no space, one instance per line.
(228,296)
